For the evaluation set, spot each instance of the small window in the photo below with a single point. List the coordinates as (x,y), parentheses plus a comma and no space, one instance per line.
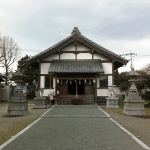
(103,81)
(48,82)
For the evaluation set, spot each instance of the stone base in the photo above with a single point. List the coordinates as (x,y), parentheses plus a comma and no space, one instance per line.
(17,106)
(112,102)
(133,105)
(134,108)
(17,112)
(40,103)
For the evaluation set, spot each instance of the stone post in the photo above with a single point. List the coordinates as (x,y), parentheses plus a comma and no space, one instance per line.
(18,105)
(133,105)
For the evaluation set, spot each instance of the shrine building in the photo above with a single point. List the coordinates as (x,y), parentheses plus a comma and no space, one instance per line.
(77,68)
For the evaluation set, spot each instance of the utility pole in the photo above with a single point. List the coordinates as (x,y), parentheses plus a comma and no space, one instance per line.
(131,58)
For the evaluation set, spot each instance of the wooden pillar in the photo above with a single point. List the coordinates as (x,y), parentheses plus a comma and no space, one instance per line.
(56,92)
(113,73)
(39,71)
(58,95)
(76,88)
(95,94)
(50,81)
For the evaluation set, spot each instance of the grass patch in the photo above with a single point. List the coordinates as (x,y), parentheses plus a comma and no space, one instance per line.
(120,111)
(147,111)
(11,129)
(120,103)
(112,110)
(31,101)
(146,102)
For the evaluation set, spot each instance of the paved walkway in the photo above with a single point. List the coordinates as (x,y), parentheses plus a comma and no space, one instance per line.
(74,128)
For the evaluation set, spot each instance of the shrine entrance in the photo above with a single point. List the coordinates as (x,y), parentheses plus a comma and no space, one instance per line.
(76,87)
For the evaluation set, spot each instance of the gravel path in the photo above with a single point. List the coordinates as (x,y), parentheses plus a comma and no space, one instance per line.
(74,132)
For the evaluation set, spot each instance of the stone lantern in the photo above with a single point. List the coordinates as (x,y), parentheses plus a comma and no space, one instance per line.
(133,105)
(18,105)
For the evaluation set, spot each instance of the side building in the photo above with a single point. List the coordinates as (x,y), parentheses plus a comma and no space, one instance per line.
(2,78)
(77,67)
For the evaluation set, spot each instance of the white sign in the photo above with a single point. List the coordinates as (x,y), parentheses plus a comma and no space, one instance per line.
(51,97)
(57,92)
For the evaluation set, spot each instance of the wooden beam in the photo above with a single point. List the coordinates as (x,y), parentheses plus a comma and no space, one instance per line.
(74,78)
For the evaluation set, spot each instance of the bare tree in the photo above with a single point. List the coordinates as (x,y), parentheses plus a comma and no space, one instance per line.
(9,53)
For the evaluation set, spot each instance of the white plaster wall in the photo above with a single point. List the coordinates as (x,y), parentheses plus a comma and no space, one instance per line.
(116,89)
(99,56)
(102,92)
(98,82)
(81,47)
(107,68)
(54,80)
(42,80)
(84,56)
(70,47)
(53,56)
(67,56)
(47,91)
(109,80)
(44,68)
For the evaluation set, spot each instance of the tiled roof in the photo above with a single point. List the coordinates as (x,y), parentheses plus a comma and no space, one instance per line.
(76,35)
(76,66)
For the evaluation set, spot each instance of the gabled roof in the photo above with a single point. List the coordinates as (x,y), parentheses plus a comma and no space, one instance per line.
(76,66)
(76,36)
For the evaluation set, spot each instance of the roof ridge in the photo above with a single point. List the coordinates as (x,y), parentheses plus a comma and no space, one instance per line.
(103,48)
(51,47)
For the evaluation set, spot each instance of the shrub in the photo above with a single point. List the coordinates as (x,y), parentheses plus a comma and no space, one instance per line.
(146,96)
(30,94)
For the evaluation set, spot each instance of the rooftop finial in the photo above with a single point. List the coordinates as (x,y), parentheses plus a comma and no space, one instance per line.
(75,31)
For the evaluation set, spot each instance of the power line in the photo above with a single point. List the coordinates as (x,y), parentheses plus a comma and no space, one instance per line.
(131,57)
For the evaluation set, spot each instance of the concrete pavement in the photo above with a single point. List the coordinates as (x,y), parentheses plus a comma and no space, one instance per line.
(74,127)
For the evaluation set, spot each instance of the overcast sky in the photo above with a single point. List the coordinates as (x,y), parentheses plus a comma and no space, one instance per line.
(120,26)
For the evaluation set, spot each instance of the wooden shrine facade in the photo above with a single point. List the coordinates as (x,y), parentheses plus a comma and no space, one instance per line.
(76,67)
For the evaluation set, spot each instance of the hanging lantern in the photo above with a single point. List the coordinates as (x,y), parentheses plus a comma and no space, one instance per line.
(90,82)
(61,81)
(70,81)
(79,81)
(85,81)
(57,80)
(93,80)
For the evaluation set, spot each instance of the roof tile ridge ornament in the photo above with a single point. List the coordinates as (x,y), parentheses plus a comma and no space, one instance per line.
(76,31)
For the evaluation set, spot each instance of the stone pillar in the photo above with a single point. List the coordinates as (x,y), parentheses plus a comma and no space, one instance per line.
(40,103)
(112,100)
(133,105)
(18,105)
(40,100)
